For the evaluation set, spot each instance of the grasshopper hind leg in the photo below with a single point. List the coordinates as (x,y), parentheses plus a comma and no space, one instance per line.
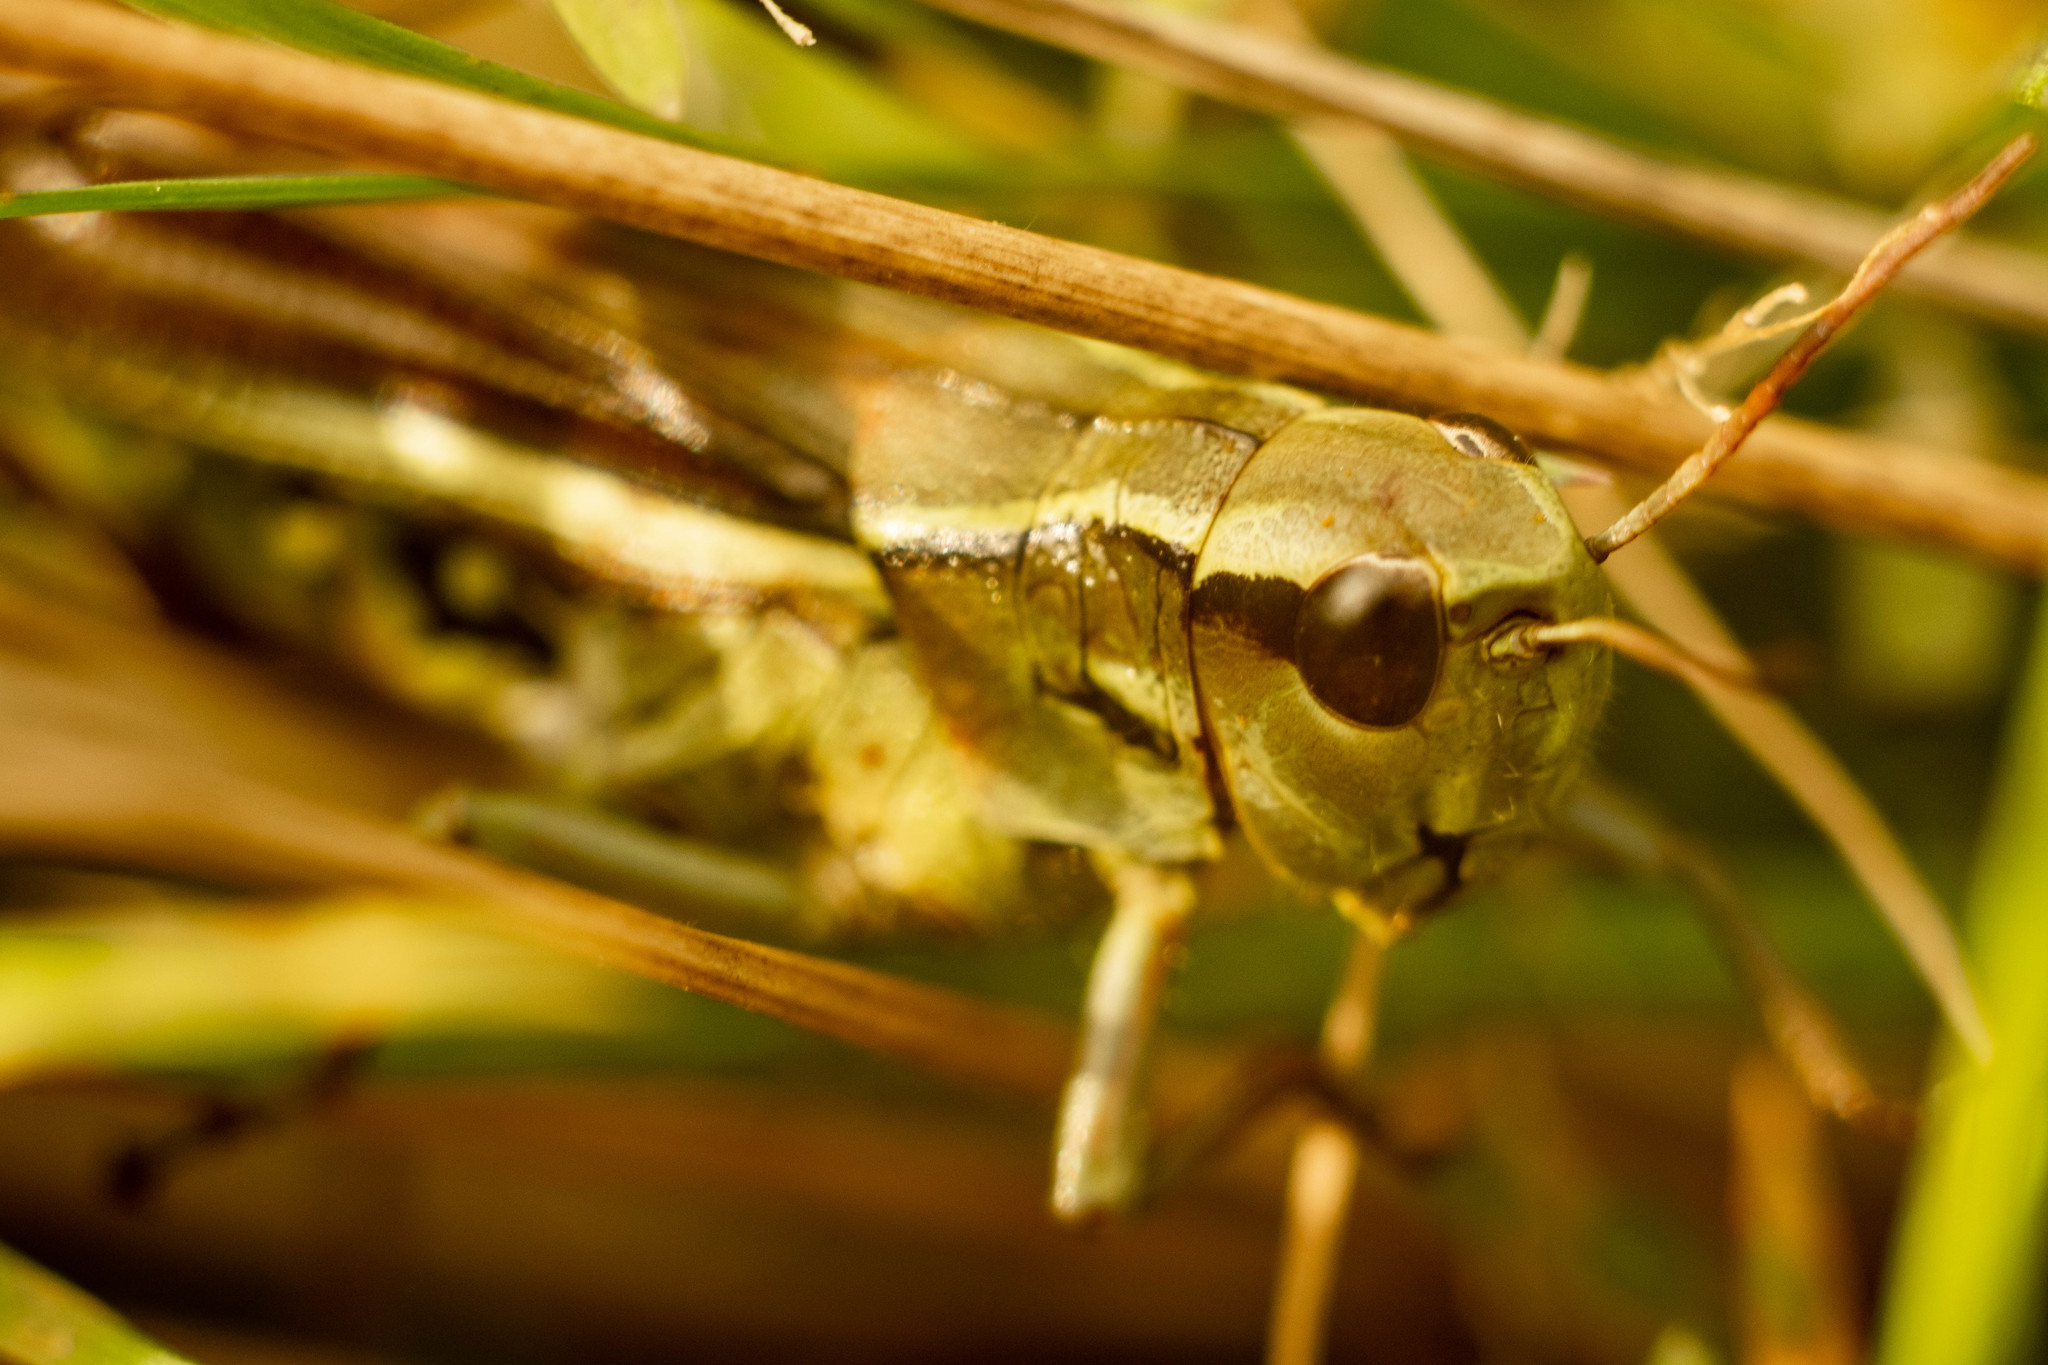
(686,878)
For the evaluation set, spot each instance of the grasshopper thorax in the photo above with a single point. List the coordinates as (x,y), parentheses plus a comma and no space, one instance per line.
(1343,601)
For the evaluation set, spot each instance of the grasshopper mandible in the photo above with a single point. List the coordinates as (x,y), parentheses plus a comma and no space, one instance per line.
(878,608)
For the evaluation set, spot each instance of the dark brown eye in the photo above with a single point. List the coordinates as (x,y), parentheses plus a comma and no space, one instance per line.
(1482,438)
(1367,640)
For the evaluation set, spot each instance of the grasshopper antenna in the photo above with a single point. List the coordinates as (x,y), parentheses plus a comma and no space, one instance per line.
(1823,325)
(1530,639)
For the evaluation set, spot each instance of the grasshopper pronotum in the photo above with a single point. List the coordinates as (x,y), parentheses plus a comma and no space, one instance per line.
(875,655)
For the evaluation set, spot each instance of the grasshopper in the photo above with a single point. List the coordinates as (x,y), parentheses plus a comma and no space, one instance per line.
(872,614)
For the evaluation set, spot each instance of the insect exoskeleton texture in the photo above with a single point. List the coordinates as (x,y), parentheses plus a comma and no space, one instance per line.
(1342,606)
(1141,630)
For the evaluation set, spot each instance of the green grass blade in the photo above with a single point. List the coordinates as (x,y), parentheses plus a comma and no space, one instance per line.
(813,103)
(333,30)
(45,1321)
(230,192)
(1966,1270)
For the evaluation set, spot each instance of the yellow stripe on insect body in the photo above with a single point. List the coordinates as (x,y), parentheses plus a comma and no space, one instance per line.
(683,555)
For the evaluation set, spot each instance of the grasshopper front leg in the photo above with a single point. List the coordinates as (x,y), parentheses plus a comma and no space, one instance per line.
(1099,1150)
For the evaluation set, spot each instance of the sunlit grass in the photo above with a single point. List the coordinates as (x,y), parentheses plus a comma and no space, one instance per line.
(1966,1273)
(223,192)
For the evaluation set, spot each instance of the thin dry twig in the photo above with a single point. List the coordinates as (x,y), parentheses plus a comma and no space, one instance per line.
(1278,75)
(1791,1226)
(1878,269)
(1423,250)
(1852,482)
(797,33)
(1320,1182)
(1566,308)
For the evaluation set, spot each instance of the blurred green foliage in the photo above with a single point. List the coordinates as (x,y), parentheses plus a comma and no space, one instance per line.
(44,1321)
(1966,1275)
(335,30)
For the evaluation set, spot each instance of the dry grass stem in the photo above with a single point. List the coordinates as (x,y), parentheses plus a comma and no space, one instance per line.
(1878,269)
(1651,582)
(1791,1227)
(1567,306)
(797,33)
(1259,70)
(1851,482)
(1320,1183)
(1327,1156)
(1422,248)
(87,798)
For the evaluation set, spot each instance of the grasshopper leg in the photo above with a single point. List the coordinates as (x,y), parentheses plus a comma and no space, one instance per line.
(668,874)
(1800,1028)
(1099,1149)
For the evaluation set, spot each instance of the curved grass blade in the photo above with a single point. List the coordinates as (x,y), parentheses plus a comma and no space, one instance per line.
(636,45)
(46,1321)
(814,104)
(801,109)
(235,988)
(334,30)
(1966,1282)
(231,192)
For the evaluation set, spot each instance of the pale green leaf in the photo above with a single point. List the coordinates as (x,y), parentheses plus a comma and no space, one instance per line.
(764,98)
(811,105)
(234,987)
(636,45)
(333,30)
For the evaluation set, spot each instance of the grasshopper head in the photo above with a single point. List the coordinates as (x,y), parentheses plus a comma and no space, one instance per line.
(1343,605)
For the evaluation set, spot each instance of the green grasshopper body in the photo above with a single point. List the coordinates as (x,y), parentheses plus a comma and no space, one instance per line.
(902,602)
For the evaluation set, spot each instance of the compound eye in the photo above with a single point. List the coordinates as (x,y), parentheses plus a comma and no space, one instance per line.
(1482,438)
(1367,641)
